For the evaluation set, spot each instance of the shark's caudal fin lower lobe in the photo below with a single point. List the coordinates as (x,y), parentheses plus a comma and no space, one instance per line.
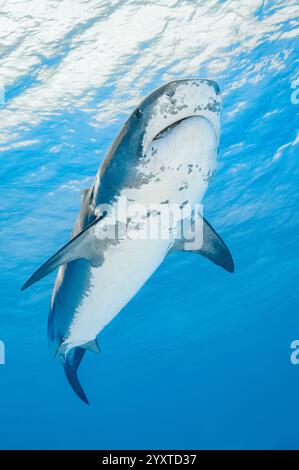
(70,367)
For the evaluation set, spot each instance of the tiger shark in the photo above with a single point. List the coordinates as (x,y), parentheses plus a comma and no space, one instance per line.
(165,154)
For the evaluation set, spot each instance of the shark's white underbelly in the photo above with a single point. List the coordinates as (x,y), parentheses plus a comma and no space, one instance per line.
(126,268)
(176,169)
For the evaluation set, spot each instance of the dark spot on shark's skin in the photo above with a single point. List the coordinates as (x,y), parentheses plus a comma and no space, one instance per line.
(197,108)
(157,180)
(207,177)
(213,106)
(183,204)
(185,186)
(146,161)
(165,202)
(162,168)
(172,107)
(190,169)
(216,88)
(154,151)
(179,167)
(141,178)
(153,213)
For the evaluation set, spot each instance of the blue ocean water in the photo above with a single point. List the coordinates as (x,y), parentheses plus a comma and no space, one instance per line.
(199,358)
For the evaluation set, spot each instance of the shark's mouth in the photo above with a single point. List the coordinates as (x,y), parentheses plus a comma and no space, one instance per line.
(167,129)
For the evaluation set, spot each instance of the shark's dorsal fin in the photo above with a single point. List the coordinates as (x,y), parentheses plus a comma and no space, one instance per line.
(212,247)
(80,247)
(84,193)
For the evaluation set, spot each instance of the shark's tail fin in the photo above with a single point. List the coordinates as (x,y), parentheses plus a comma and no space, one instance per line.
(70,368)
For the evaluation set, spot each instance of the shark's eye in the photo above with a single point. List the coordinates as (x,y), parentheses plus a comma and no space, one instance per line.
(169,93)
(138,112)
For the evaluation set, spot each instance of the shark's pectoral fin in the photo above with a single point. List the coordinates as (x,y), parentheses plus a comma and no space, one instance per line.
(80,247)
(211,245)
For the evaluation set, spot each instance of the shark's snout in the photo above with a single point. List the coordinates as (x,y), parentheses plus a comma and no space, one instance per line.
(176,101)
(171,87)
